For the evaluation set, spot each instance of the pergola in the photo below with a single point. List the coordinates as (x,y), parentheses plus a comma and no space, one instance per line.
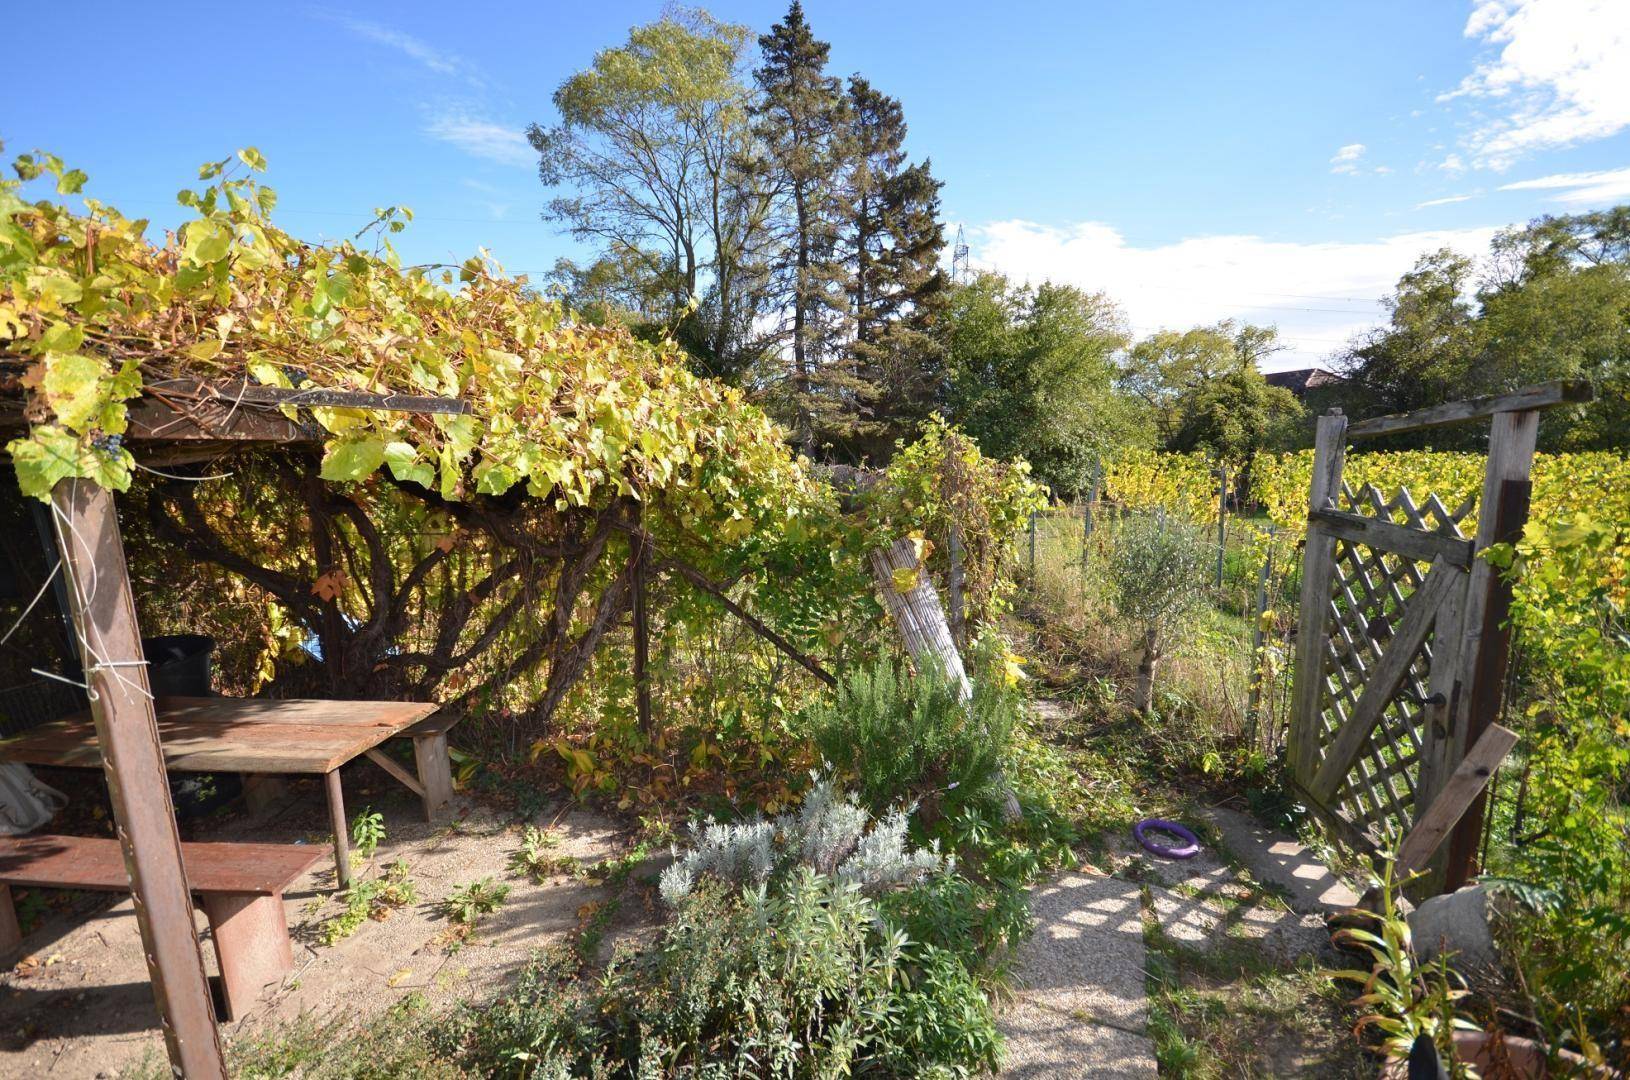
(181,421)
(175,421)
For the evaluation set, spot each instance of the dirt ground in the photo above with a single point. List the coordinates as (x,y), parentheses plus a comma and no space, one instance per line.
(78,1003)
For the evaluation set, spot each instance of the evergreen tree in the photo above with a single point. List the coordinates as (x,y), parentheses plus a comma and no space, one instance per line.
(897,288)
(801,123)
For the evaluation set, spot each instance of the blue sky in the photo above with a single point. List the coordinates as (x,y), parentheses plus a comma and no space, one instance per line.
(1280,162)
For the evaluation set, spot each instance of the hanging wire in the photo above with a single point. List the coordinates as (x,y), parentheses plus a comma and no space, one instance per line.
(178,476)
(46,584)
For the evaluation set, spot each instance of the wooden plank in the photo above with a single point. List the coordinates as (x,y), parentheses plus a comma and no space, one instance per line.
(1307,694)
(96,863)
(316,711)
(439,723)
(238,392)
(244,735)
(1542,396)
(1381,682)
(1390,536)
(390,765)
(1465,786)
(1486,635)
(104,615)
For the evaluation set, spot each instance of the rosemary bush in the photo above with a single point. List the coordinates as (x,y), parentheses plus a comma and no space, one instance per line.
(899,737)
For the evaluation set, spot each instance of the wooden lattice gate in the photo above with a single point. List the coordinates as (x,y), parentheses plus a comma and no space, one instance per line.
(1401,642)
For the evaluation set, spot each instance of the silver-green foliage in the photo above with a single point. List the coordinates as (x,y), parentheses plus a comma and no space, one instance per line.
(1155,572)
(830,833)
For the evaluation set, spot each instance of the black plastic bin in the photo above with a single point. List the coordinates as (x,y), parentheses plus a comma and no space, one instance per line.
(179,665)
(182,665)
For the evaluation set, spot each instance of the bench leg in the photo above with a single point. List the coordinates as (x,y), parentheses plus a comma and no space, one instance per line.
(435,772)
(336,819)
(251,943)
(11,934)
(261,792)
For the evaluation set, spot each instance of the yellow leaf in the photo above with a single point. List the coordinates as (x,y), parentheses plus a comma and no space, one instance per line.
(207,349)
(905,579)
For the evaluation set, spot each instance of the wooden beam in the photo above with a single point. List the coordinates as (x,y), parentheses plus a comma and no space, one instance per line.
(1420,611)
(1486,634)
(1307,695)
(1542,396)
(700,580)
(127,730)
(379,756)
(238,392)
(1389,536)
(1465,786)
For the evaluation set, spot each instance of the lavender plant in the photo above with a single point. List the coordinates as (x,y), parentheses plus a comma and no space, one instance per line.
(830,834)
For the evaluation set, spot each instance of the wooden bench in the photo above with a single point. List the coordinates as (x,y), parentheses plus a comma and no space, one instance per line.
(241,886)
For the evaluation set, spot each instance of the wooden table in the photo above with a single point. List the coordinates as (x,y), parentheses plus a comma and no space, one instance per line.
(262,738)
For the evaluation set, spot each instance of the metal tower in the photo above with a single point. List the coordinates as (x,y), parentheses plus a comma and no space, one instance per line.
(959,258)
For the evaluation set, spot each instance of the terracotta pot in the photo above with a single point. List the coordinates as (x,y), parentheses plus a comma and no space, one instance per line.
(1508,1057)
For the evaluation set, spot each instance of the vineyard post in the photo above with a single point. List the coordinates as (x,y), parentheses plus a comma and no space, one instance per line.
(1033,516)
(639,563)
(1222,518)
(1254,707)
(958,615)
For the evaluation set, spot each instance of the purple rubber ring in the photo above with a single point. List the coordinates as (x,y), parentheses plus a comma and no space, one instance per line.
(1187,850)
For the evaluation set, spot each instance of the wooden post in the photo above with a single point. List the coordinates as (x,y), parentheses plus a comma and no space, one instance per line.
(639,562)
(342,831)
(1485,636)
(959,627)
(1329,457)
(1086,514)
(917,612)
(104,614)
(1222,518)
(1254,700)
(1033,545)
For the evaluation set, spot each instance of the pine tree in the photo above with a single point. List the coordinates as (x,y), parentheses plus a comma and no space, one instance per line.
(801,121)
(898,290)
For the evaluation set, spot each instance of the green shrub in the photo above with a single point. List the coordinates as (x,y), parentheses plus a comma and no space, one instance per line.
(903,738)
(1155,571)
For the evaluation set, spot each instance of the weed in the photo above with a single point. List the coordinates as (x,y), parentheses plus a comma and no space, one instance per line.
(535,858)
(468,904)
(370,899)
(367,833)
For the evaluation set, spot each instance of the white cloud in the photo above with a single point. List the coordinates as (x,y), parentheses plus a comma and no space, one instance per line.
(1319,294)
(1558,79)
(1452,165)
(406,44)
(1445,201)
(482,138)
(496,205)
(1611,185)
(1346,159)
